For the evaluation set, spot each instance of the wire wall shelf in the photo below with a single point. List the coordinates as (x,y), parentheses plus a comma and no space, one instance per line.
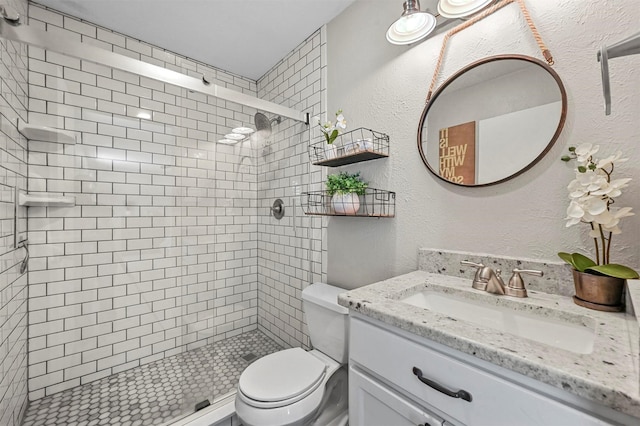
(351,147)
(374,203)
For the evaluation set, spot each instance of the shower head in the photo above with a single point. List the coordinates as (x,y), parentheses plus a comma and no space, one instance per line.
(263,124)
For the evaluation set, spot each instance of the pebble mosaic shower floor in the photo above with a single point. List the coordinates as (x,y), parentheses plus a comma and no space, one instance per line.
(154,393)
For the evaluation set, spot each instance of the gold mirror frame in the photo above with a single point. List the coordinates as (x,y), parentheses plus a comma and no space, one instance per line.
(469,67)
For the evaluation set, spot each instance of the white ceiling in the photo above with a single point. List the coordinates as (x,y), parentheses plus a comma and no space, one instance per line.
(245,37)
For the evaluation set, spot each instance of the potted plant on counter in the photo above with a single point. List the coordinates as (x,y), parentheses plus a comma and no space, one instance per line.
(599,283)
(331,131)
(345,189)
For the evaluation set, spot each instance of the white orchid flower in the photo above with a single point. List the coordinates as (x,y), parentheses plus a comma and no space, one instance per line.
(591,180)
(329,129)
(615,230)
(623,212)
(585,151)
(612,189)
(574,213)
(592,194)
(616,215)
(595,206)
(595,233)
(612,225)
(576,189)
(605,162)
(603,218)
(328,126)
(620,183)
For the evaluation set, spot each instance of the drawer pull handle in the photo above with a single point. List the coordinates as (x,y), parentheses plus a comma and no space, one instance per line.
(463,394)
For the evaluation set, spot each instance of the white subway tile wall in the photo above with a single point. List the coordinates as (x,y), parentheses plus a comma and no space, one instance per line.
(291,250)
(160,253)
(13,174)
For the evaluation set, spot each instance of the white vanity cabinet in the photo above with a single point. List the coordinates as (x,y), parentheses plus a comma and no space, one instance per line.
(384,389)
(372,403)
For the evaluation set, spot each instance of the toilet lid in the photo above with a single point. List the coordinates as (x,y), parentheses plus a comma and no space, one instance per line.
(281,375)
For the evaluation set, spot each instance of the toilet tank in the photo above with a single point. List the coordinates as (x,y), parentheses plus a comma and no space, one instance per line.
(328,322)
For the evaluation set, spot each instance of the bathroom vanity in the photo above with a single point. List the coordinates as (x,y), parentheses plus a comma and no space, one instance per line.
(426,348)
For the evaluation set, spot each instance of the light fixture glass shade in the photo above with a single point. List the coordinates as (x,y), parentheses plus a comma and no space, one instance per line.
(412,26)
(235,136)
(455,9)
(228,141)
(243,130)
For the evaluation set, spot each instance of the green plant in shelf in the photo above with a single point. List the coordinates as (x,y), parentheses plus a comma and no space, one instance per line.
(592,194)
(346,183)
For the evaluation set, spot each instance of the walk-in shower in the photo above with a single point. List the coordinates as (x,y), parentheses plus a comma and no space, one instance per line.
(167,274)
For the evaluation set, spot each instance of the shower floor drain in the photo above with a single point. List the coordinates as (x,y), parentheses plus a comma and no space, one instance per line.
(250,357)
(202,404)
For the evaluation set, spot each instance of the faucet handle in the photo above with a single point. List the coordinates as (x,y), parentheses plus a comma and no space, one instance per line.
(516,286)
(479,282)
(468,263)
(528,272)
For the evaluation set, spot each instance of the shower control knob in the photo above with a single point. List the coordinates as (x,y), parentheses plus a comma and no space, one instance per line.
(277,209)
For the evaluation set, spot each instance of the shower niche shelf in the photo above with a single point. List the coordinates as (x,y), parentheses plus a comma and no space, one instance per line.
(45,134)
(374,203)
(348,148)
(44,199)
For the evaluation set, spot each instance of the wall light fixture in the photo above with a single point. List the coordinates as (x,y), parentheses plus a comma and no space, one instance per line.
(454,9)
(413,25)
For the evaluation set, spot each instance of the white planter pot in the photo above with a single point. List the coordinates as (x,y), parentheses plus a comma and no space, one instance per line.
(345,203)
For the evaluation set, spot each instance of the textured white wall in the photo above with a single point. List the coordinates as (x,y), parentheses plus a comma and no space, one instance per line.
(383,87)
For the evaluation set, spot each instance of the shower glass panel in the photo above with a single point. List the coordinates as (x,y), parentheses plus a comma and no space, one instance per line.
(196,163)
(218,265)
(122,281)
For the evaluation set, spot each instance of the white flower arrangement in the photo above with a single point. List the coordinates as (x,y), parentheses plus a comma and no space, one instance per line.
(592,194)
(332,130)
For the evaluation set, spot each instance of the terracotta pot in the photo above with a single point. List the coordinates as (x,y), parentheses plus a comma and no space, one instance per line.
(598,289)
(345,203)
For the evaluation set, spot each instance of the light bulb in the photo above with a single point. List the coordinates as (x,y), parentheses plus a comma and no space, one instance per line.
(243,130)
(234,136)
(410,23)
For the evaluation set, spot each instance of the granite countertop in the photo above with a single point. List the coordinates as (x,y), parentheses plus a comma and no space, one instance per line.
(609,374)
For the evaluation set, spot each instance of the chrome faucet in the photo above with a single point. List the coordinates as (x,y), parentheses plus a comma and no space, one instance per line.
(486,279)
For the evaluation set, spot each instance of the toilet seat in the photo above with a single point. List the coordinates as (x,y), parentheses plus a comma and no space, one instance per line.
(281,378)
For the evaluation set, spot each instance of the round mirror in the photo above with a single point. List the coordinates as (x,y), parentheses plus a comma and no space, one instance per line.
(492,120)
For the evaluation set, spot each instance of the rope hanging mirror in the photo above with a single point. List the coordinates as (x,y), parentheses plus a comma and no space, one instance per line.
(496,117)
(536,35)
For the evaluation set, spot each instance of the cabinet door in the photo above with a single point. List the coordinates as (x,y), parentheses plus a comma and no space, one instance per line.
(495,401)
(373,404)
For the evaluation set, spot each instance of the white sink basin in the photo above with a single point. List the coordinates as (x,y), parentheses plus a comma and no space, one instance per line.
(570,335)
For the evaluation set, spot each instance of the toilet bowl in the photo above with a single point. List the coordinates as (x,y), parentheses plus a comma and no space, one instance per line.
(294,387)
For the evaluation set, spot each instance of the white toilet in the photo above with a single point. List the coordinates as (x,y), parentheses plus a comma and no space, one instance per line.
(296,387)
